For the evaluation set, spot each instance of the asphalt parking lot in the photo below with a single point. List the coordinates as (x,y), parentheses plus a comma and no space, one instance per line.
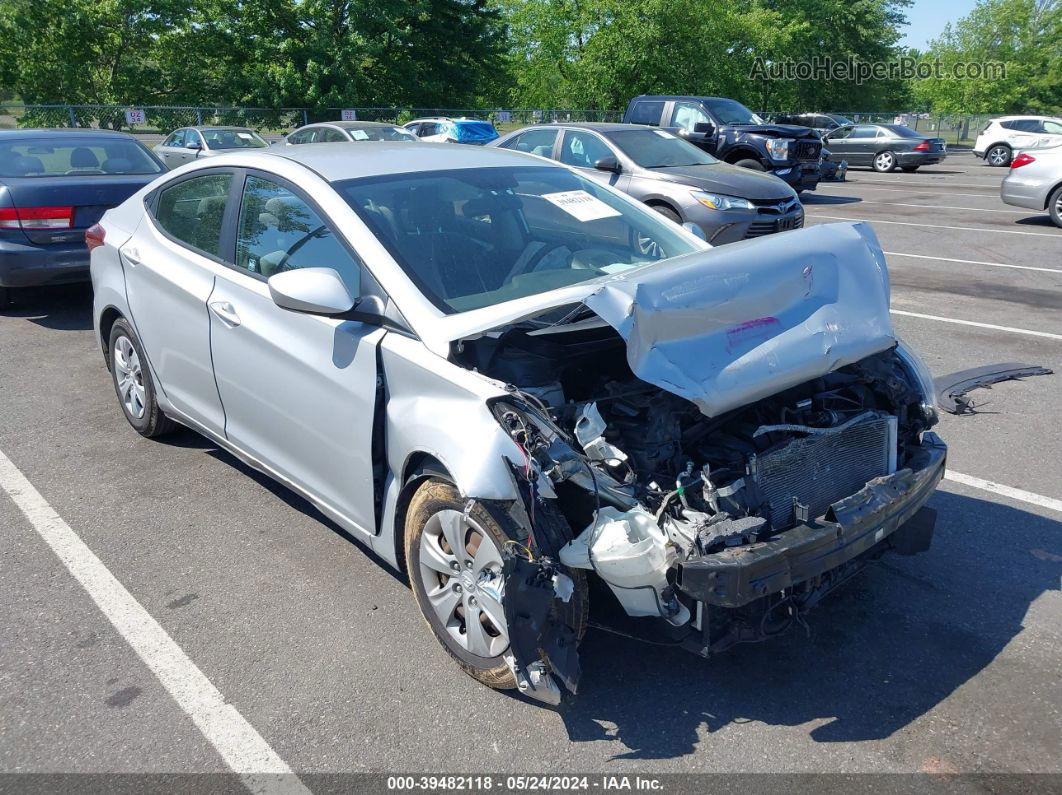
(944,662)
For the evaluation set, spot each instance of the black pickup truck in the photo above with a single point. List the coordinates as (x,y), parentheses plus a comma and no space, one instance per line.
(734,134)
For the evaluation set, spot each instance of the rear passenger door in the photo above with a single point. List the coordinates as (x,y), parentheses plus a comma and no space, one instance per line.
(169,265)
(581,149)
(299,390)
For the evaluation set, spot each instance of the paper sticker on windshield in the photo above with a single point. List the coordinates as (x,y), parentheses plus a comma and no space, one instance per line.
(663,134)
(244,136)
(581,205)
(359,135)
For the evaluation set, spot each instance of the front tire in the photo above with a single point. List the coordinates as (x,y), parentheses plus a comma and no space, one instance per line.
(668,213)
(133,384)
(884,162)
(910,169)
(6,299)
(755,165)
(454,561)
(999,155)
(1054,206)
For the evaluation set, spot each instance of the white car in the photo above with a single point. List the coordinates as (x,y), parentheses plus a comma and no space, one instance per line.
(444,130)
(1003,137)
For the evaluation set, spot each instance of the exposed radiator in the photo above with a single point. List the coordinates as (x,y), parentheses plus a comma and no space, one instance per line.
(821,468)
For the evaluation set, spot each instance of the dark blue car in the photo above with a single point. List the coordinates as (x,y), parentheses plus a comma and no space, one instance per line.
(54,185)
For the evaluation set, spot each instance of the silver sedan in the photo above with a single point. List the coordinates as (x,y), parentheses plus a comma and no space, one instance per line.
(1035,181)
(507,378)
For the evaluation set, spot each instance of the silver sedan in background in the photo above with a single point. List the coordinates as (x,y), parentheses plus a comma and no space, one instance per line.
(192,143)
(1035,181)
(332,132)
(507,378)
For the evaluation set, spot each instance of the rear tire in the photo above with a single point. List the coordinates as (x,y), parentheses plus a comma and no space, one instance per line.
(437,512)
(133,384)
(6,298)
(910,169)
(1054,206)
(749,163)
(884,162)
(999,155)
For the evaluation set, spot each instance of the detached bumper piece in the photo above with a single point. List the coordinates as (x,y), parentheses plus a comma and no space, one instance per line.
(851,527)
(540,645)
(952,389)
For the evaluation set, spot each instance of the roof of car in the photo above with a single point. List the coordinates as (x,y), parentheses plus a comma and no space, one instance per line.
(446,118)
(596,126)
(670,97)
(335,163)
(1025,116)
(208,127)
(62,131)
(349,125)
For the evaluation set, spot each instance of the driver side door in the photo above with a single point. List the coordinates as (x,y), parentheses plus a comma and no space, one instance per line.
(299,390)
(580,150)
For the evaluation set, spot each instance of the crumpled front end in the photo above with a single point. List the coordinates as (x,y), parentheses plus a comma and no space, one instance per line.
(715,443)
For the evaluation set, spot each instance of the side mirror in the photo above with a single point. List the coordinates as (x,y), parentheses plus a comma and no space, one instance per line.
(318,291)
(608,163)
(704,128)
(695,230)
(194,145)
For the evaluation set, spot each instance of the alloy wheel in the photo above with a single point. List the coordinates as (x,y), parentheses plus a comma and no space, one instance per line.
(884,162)
(129,376)
(460,568)
(997,156)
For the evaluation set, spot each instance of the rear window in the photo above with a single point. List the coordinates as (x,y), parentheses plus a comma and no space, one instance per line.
(233,139)
(380,134)
(646,113)
(75,156)
(901,131)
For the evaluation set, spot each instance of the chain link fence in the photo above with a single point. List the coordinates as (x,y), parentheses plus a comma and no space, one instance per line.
(957,129)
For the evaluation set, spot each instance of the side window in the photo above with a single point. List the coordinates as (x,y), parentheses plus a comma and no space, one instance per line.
(170,141)
(328,135)
(192,211)
(428,128)
(537,142)
(583,149)
(687,114)
(864,131)
(297,137)
(278,232)
(839,133)
(191,138)
(1052,127)
(413,128)
(647,113)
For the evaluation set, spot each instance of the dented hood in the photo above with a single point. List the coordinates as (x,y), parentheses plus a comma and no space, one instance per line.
(741,322)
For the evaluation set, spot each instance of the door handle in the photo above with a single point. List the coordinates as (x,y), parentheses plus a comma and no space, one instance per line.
(225,311)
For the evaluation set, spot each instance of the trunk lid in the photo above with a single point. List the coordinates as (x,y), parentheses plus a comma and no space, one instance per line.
(90,196)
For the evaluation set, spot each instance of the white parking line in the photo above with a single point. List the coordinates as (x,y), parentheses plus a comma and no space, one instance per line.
(976,262)
(950,207)
(242,748)
(993,195)
(1006,491)
(927,184)
(1011,329)
(937,226)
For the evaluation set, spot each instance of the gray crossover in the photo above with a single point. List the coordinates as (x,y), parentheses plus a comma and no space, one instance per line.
(515,382)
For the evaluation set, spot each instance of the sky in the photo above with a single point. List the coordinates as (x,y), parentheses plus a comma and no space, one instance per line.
(927,19)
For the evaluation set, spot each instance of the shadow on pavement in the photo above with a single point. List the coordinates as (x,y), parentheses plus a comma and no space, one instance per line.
(885,649)
(65,307)
(822,198)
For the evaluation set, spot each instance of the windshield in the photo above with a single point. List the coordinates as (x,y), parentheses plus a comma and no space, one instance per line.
(81,155)
(380,134)
(470,238)
(233,139)
(659,149)
(730,112)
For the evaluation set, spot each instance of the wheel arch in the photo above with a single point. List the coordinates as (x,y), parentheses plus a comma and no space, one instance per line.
(108,317)
(1050,193)
(420,466)
(743,153)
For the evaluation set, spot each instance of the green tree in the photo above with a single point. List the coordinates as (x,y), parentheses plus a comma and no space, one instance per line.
(1025,36)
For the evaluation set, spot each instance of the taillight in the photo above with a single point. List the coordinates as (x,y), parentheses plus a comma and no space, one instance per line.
(94,236)
(36,217)
(1022,160)
(922,147)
